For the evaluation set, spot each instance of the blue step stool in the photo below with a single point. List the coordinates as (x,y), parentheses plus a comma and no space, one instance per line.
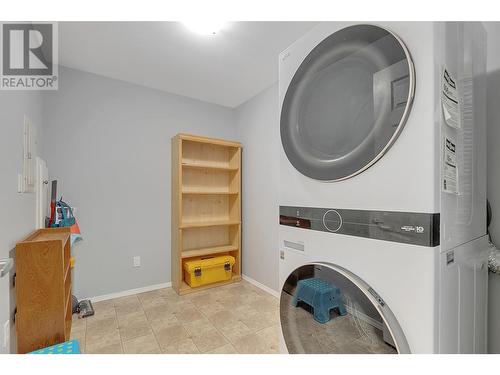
(321,296)
(68,347)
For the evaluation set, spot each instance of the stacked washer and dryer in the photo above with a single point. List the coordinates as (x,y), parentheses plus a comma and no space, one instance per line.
(383,187)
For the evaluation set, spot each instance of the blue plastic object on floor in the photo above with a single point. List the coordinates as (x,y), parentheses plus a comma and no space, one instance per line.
(321,296)
(68,347)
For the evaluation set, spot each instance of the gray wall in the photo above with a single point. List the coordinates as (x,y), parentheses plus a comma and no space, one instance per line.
(257,124)
(494,175)
(17,218)
(108,144)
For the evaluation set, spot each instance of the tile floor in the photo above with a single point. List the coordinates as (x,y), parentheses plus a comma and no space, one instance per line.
(236,318)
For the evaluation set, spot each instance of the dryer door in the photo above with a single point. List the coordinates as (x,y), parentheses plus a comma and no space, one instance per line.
(326,309)
(347,103)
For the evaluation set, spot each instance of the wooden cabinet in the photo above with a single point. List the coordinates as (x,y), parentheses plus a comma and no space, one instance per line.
(206,203)
(43,289)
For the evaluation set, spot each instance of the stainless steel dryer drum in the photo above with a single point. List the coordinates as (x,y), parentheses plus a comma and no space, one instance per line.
(369,327)
(347,102)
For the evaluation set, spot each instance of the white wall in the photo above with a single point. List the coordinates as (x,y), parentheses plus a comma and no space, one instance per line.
(108,145)
(493,30)
(257,124)
(17,218)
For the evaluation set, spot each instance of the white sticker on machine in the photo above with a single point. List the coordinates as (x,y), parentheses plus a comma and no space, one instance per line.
(449,100)
(450,170)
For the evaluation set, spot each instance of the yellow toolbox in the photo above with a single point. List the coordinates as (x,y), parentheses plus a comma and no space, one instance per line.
(208,270)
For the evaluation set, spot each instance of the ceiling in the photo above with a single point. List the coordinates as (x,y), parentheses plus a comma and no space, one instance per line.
(226,69)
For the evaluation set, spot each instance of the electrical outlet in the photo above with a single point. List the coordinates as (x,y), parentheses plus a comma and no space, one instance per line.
(137,261)
(6,334)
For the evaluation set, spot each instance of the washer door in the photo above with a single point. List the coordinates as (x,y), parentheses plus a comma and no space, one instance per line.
(326,309)
(347,103)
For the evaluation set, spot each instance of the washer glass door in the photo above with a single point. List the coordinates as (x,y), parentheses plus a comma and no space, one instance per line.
(347,102)
(325,309)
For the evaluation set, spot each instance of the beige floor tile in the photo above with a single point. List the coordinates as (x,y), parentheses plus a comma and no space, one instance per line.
(100,314)
(103,305)
(273,316)
(271,336)
(243,295)
(129,308)
(97,343)
(127,300)
(158,312)
(189,314)
(226,349)
(240,288)
(235,331)
(221,294)
(124,319)
(135,329)
(151,298)
(208,340)
(78,325)
(198,326)
(229,300)
(230,305)
(165,292)
(257,321)
(264,304)
(107,349)
(184,346)
(250,297)
(97,321)
(100,328)
(152,294)
(158,301)
(256,290)
(236,288)
(266,295)
(243,310)
(173,297)
(127,305)
(180,306)
(202,298)
(223,318)
(170,335)
(253,344)
(141,345)
(210,308)
(159,324)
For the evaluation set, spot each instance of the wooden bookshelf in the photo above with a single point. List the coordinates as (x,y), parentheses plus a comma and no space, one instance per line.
(43,289)
(206,203)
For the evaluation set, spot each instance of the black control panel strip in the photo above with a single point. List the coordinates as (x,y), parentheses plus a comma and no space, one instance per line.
(414,228)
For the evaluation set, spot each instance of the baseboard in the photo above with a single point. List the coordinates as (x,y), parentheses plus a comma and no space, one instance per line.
(261,286)
(149,288)
(130,292)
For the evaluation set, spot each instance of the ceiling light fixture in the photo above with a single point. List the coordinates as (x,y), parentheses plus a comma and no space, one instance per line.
(205,27)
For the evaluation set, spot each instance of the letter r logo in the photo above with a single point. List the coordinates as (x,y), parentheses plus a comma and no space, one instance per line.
(27,49)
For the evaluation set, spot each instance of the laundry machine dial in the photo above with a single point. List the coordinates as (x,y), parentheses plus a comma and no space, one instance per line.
(332,220)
